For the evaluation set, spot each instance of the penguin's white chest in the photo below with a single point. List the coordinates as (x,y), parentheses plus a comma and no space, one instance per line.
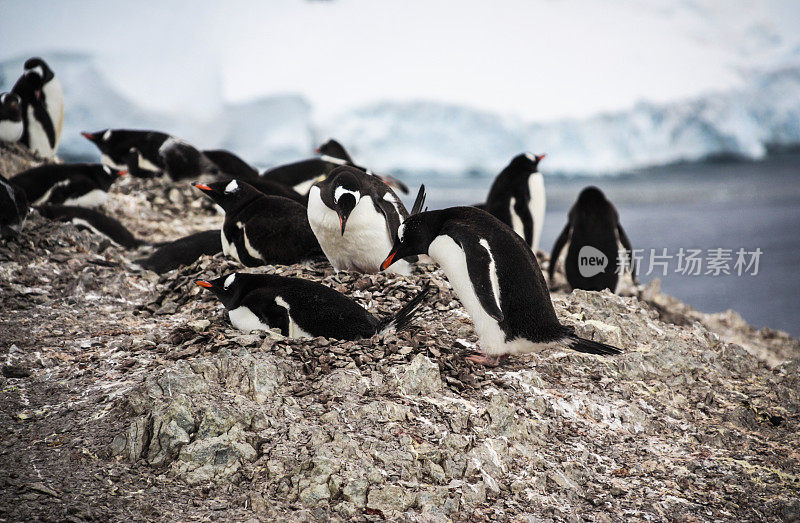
(93,198)
(10,131)
(453,260)
(295,331)
(243,319)
(54,101)
(37,137)
(228,249)
(537,205)
(365,243)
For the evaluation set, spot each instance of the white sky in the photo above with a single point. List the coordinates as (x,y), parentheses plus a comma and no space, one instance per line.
(537,59)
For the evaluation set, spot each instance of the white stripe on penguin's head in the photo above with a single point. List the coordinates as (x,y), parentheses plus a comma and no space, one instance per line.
(107,135)
(341,191)
(231,187)
(400,231)
(229,280)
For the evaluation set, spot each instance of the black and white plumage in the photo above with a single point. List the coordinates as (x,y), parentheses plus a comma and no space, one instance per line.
(496,277)
(301,308)
(52,95)
(355,217)
(146,154)
(593,228)
(517,198)
(94,221)
(11,126)
(13,209)
(301,175)
(260,229)
(183,251)
(38,130)
(79,184)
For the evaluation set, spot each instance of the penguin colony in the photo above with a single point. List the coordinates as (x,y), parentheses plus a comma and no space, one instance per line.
(324,207)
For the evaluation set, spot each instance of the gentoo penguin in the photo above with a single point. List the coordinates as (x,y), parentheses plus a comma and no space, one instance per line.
(146,154)
(232,165)
(13,209)
(79,184)
(332,148)
(38,131)
(595,238)
(517,198)
(301,308)
(496,277)
(260,229)
(355,217)
(94,221)
(301,175)
(11,125)
(52,94)
(183,251)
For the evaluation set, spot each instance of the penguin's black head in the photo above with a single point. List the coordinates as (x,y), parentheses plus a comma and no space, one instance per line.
(334,149)
(526,162)
(346,190)
(414,236)
(228,194)
(107,175)
(29,87)
(590,197)
(230,289)
(101,138)
(40,67)
(10,107)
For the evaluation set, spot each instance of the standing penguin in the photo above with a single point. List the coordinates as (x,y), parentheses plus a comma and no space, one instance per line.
(13,209)
(355,217)
(301,308)
(260,229)
(145,154)
(517,198)
(52,95)
(496,277)
(38,131)
(11,126)
(79,184)
(596,238)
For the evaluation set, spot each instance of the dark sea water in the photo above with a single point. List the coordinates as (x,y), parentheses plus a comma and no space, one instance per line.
(728,205)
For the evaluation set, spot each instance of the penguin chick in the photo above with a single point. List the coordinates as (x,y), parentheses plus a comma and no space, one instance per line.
(496,277)
(301,308)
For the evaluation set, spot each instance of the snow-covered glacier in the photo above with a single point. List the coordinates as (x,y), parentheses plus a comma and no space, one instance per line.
(448,139)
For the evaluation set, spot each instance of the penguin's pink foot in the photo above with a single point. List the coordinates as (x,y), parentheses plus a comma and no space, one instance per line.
(486,360)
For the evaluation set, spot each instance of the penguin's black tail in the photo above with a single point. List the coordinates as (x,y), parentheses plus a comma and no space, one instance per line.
(401,319)
(394,183)
(590,347)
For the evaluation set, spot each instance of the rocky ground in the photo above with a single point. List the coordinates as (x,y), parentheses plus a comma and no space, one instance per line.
(125,395)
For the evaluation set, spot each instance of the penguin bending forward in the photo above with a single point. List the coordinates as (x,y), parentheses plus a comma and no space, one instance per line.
(52,95)
(301,308)
(38,131)
(260,229)
(11,126)
(80,184)
(13,209)
(355,217)
(594,232)
(517,198)
(496,277)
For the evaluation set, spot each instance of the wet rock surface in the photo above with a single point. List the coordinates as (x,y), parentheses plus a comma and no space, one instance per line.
(125,394)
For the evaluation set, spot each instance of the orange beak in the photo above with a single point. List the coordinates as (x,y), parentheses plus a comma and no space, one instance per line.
(203,283)
(388,261)
(88,136)
(316,150)
(202,186)
(540,157)
(123,172)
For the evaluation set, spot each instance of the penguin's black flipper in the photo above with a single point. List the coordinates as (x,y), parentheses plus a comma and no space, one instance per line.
(479,265)
(590,347)
(231,165)
(94,220)
(132,162)
(400,320)
(556,252)
(524,213)
(261,302)
(420,201)
(183,251)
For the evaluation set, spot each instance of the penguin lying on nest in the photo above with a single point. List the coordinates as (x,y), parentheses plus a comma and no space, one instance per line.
(301,308)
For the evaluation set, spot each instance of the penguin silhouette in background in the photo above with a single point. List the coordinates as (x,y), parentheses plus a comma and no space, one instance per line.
(38,132)
(11,125)
(52,95)
(596,238)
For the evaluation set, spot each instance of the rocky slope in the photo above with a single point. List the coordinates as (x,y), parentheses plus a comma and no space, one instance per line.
(125,395)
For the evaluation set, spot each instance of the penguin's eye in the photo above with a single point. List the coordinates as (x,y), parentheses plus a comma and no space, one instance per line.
(231,187)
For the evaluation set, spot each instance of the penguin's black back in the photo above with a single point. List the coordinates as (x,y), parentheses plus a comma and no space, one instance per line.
(13,208)
(593,220)
(272,188)
(231,165)
(106,225)
(121,141)
(317,309)
(524,299)
(292,174)
(183,251)
(36,182)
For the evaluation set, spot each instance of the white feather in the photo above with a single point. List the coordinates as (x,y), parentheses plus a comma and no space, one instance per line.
(537,205)
(243,319)
(295,331)
(37,137)
(93,198)
(10,131)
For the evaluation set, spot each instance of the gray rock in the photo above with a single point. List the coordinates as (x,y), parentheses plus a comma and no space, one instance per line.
(421,376)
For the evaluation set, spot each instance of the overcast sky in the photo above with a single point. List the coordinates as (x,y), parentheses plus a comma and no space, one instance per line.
(537,60)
